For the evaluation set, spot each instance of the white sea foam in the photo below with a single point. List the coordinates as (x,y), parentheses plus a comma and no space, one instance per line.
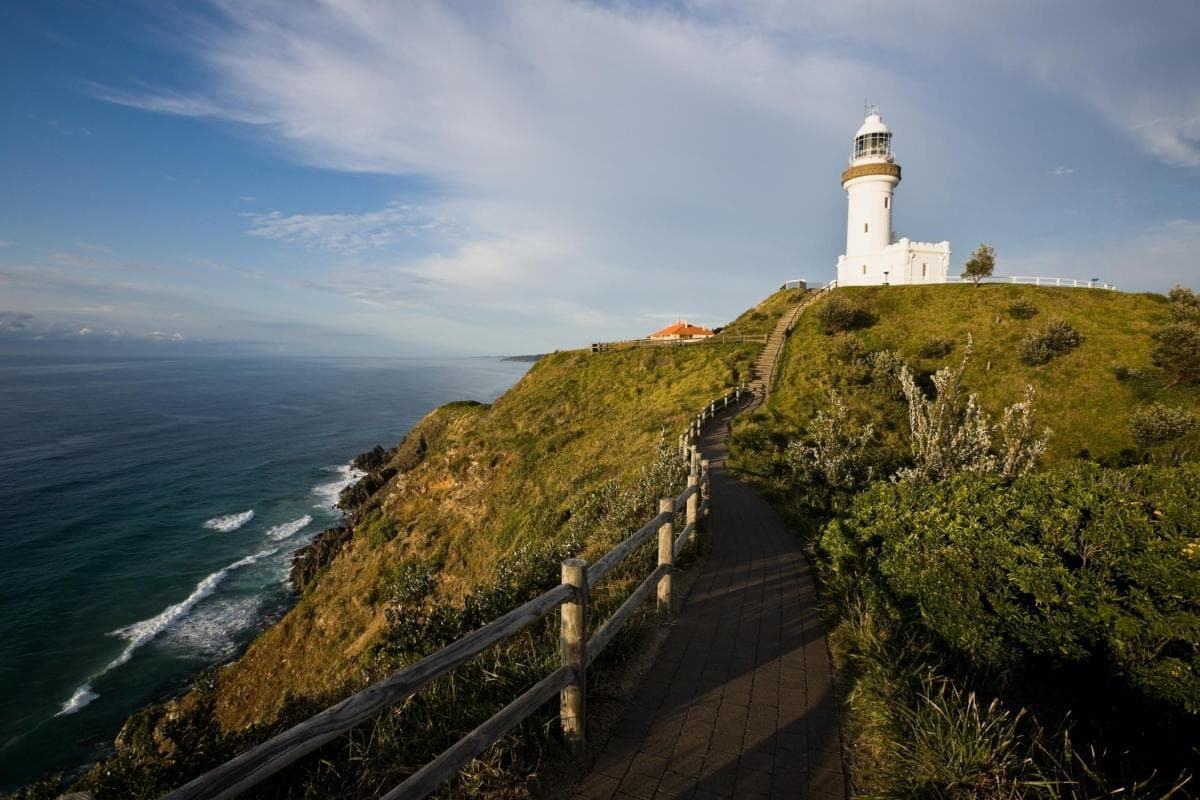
(348,475)
(288,529)
(139,633)
(213,629)
(229,522)
(83,695)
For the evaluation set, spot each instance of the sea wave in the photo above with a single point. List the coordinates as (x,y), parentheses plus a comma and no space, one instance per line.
(288,529)
(348,475)
(83,695)
(139,633)
(229,522)
(213,630)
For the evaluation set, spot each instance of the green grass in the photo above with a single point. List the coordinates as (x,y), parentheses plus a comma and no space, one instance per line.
(920,723)
(477,520)
(761,320)
(1078,394)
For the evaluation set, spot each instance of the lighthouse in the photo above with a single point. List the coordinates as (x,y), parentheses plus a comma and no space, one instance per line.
(874,253)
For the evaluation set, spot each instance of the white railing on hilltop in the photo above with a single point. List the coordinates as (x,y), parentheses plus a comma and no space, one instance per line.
(1037,280)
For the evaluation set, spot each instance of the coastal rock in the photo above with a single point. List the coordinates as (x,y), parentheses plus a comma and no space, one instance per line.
(353,496)
(372,460)
(316,555)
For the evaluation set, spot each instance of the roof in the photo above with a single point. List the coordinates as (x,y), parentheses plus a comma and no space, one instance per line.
(681,329)
(872,124)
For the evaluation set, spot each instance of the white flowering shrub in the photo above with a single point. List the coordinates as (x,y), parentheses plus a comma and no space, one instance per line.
(950,434)
(1020,446)
(837,453)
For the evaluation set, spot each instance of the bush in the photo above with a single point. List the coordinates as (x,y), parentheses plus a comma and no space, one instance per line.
(1178,351)
(1158,425)
(838,314)
(1057,338)
(936,348)
(1022,309)
(950,434)
(837,456)
(1078,564)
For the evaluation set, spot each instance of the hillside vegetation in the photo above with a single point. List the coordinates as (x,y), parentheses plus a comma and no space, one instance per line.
(490,479)
(1012,615)
(466,518)
(1087,396)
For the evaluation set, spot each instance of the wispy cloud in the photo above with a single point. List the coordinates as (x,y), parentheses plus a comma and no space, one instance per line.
(590,162)
(350,233)
(5,243)
(15,320)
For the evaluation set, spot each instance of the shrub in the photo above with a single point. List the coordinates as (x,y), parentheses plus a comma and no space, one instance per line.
(849,349)
(1185,304)
(1078,564)
(1158,425)
(1178,351)
(838,314)
(885,372)
(1058,337)
(950,435)
(408,583)
(1022,309)
(836,455)
(936,348)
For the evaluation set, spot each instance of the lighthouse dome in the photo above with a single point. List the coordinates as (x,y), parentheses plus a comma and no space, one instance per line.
(873,141)
(872,124)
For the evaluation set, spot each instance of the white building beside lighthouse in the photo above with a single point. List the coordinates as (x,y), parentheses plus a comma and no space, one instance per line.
(874,254)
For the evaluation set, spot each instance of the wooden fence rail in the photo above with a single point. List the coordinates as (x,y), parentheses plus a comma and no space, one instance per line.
(569,681)
(720,338)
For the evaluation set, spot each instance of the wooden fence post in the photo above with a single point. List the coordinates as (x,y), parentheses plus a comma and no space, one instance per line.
(706,486)
(693,501)
(573,648)
(666,555)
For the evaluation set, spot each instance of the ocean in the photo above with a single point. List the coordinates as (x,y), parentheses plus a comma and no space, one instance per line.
(149,510)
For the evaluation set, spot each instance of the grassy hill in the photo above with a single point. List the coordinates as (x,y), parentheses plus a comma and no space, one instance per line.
(1021,636)
(1086,396)
(491,479)
(470,516)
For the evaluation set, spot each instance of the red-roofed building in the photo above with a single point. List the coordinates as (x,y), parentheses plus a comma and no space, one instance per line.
(682,329)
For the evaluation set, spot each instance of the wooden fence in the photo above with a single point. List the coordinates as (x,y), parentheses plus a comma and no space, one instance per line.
(569,681)
(720,338)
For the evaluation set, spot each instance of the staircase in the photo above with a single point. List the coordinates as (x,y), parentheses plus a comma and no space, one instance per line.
(764,366)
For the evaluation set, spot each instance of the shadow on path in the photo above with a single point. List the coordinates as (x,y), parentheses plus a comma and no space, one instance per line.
(740,702)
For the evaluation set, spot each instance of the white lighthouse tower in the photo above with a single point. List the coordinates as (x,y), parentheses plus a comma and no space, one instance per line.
(874,255)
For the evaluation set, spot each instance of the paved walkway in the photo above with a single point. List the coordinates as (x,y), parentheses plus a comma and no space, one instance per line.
(740,702)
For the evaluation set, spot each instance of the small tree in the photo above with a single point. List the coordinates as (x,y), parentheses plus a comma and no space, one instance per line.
(980,265)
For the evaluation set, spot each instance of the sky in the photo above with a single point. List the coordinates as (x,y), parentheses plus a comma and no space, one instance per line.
(462,177)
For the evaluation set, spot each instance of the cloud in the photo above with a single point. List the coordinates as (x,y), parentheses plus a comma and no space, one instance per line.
(11,321)
(349,233)
(5,243)
(597,163)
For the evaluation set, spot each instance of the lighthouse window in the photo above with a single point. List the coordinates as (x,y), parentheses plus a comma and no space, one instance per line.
(864,227)
(885,202)
(864,269)
(923,268)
